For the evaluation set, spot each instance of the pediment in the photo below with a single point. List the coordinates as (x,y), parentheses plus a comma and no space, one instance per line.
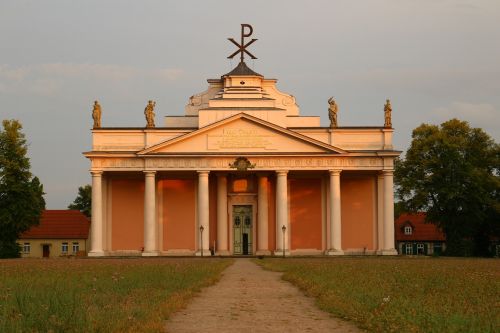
(238,134)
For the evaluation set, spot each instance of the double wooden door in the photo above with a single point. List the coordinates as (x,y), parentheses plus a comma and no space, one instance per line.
(242,230)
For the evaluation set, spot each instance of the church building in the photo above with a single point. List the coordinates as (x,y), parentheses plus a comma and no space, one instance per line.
(242,173)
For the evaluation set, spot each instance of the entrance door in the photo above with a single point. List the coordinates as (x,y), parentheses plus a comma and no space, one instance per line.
(46,250)
(242,230)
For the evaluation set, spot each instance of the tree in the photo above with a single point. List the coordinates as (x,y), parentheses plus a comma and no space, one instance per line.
(21,194)
(451,172)
(83,201)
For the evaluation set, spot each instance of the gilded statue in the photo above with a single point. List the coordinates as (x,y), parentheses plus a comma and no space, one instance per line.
(96,115)
(333,109)
(149,112)
(387,114)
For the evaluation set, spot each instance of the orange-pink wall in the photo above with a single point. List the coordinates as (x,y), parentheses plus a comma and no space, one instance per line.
(178,213)
(305,213)
(127,201)
(357,200)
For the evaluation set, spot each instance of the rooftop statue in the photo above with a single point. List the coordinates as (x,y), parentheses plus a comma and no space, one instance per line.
(96,115)
(333,109)
(150,114)
(387,114)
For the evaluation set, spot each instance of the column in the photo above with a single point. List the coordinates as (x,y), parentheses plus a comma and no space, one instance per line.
(282,213)
(150,248)
(96,226)
(389,213)
(380,213)
(262,216)
(335,216)
(203,217)
(222,215)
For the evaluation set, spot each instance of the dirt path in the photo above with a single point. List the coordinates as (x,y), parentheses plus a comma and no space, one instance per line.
(250,299)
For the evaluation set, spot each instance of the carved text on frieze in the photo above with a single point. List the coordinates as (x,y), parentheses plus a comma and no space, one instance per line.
(239,138)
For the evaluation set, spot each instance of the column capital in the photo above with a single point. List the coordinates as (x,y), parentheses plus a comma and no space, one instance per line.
(203,172)
(281,172)
(335,172)
(96,173)
(149,173)
(388,172)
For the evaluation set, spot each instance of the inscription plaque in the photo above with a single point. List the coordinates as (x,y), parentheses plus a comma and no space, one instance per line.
(239,138)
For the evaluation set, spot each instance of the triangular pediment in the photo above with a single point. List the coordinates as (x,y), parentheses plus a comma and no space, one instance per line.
(238,134)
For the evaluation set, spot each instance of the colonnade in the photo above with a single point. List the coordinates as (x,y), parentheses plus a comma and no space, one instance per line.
(385,197)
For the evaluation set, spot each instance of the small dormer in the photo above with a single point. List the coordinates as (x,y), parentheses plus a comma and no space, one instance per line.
(407,228)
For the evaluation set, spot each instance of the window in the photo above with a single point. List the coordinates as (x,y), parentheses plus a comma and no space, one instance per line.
(26,248)
(408,230)
(64,247)
(409,249)
(420,248)
(76,247)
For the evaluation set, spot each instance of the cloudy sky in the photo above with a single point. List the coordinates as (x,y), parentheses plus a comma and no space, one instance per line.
(435,59)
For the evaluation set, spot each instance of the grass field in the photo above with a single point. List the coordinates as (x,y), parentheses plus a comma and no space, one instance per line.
(402,294)
(109,295)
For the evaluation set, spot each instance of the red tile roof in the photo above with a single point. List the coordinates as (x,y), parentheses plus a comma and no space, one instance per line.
(421,231)
(60,224)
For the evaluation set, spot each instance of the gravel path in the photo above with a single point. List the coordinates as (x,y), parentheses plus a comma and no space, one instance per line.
(250,299)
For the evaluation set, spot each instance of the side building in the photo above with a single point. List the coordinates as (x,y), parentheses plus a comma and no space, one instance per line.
(60,233)
(414,236)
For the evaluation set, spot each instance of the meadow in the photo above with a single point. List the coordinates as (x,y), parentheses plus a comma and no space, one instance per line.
(108,295)
(401,294)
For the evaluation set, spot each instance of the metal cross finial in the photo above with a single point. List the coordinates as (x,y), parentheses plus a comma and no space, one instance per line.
(242,47)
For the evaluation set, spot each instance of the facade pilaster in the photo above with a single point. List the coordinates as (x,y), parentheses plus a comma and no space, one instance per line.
(335,214)
(262,216)
(203,214)
(222,244)
(282,225)
(150,248)
(389,248)
(96,227)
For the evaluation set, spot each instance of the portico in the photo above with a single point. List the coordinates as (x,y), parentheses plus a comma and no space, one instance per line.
(216,192)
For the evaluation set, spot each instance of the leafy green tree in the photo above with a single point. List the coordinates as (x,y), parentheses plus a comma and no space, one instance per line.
(21,194)
(451,172)
(83,201)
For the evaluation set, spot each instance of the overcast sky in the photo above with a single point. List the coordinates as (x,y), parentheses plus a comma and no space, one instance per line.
(434,59)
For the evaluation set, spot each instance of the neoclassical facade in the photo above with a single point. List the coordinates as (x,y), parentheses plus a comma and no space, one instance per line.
(242,173)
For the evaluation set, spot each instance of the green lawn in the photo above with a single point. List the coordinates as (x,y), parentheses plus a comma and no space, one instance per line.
(107,295)
(401,294)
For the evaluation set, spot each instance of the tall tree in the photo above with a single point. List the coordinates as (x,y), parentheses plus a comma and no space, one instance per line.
(21,194)
(83,201)
(451,172)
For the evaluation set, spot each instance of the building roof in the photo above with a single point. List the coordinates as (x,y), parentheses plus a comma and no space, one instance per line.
(59,224)
(242,70)
(421,231)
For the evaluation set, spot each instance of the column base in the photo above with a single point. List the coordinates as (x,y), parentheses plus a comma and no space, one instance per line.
(265,253)
(206,253)
(220,253)
(95,254)
(389,252)
(334,252)
(279,253)
(150,254)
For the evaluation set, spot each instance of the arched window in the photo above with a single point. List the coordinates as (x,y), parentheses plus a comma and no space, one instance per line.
(409,248)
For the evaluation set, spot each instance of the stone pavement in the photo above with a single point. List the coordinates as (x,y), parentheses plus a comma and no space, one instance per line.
(251,299)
